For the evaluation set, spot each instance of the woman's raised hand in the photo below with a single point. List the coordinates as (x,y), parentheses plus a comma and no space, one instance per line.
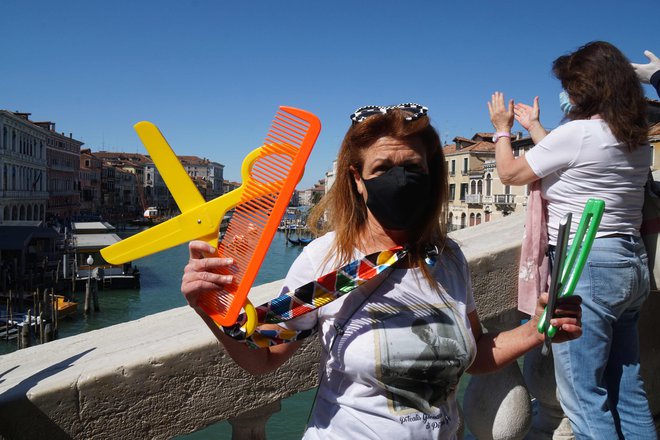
(501,115)
(527,115)
(200,274)
(645,71)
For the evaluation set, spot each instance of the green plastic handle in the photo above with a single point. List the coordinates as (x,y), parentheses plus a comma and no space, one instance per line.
(579,251)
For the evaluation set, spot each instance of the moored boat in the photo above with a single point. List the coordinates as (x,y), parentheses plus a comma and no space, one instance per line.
(65,307)
(89,238)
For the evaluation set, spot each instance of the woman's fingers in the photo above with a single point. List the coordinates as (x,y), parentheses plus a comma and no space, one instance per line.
(567,317)
(203,274)
(207,264)
(200,249)
(569,306)
(208,279)
(501,113)
(567,331)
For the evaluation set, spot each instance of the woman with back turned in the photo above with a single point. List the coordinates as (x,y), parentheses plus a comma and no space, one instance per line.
(602,152)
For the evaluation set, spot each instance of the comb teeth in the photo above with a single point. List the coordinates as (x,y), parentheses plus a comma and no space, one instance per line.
(265,196)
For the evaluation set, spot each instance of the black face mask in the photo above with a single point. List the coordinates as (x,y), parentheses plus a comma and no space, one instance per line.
(398,198)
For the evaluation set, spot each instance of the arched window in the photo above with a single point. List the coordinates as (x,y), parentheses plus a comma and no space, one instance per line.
(480,187)
(21,213)
(472,219)
(6,214)
(463,220)
(489,184)
(487,216)
(473,187)
(14,213)
(29,213)
(478,221)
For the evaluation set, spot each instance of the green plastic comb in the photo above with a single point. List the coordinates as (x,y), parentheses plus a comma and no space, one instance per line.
(573,263)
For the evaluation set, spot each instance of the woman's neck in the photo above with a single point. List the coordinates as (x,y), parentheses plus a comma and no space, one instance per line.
(375,238)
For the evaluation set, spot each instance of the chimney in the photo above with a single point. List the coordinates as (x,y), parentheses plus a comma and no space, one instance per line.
(21,115)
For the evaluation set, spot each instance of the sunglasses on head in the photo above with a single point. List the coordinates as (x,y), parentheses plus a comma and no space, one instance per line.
(413,111)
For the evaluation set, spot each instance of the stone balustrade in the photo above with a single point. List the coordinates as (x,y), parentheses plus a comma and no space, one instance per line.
(165,374)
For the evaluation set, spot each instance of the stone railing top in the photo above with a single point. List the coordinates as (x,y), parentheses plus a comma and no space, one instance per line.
(165,374)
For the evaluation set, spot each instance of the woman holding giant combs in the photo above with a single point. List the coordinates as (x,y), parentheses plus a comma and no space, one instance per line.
(601,151)
(395,347)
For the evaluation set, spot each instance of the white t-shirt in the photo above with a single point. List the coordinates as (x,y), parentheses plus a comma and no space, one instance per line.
(382,379)
(581,160)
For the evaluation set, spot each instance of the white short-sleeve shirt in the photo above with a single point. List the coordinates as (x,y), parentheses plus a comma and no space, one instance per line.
(581,160)
(394,371)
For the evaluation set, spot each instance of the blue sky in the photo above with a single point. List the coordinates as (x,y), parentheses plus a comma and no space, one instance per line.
(211,74)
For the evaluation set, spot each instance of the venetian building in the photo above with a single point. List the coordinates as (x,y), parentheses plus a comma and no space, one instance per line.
(476,194)
(63,161)
(23,185)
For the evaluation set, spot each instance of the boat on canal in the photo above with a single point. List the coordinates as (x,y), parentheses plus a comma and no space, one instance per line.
(65,307)
(88,240)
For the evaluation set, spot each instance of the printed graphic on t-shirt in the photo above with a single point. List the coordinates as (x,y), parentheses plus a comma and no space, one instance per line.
(421,353)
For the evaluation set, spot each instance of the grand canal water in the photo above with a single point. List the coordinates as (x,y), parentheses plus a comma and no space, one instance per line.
(160,282)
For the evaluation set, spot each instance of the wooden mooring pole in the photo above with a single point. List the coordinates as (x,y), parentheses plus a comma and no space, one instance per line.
(7,321)
(95,294)
(87,295)
(55,314)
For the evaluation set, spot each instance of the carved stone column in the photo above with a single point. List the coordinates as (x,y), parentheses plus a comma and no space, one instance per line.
(549,421)
(251,425)
(497,406)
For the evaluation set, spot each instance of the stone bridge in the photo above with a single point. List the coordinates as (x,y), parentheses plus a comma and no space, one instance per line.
(166,375)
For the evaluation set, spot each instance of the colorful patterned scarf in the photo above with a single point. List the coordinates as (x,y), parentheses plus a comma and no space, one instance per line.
(315,294)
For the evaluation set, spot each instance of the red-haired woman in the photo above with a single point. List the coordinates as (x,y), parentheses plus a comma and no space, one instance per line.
(394,348)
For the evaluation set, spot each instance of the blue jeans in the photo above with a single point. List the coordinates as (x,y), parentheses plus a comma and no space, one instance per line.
(600,388)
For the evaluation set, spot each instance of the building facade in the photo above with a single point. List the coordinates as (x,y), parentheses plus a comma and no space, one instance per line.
(63,161)
(476,194)
(155,191)
(90,182)
(126,194)
(206,174)
(23,185)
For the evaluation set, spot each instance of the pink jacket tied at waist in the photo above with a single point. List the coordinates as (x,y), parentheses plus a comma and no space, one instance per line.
(533,273)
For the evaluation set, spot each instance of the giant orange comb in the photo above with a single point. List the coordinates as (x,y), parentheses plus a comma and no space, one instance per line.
(270,174)
(267,193)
